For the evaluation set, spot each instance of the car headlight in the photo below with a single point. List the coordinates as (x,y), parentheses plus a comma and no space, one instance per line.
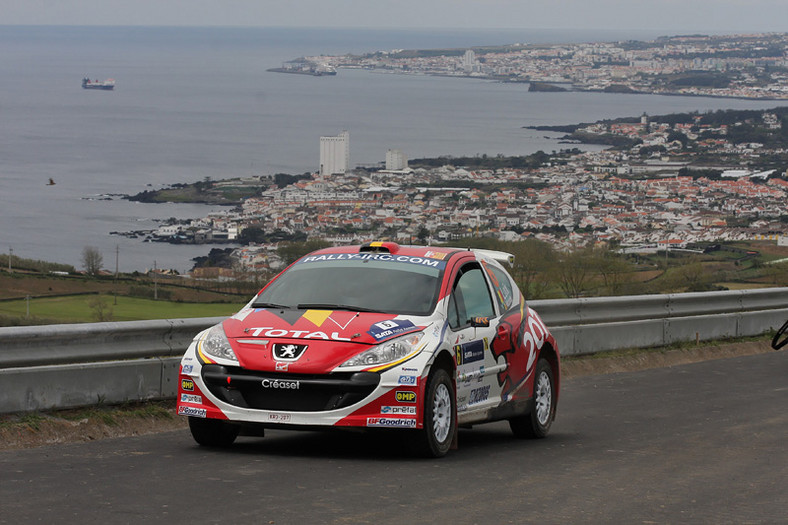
(388,352)
(215,344)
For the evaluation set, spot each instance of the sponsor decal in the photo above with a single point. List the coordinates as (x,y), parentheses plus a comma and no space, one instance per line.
(282,367)
(478,395)
(288,352)
(189,398)
(407,380)
(187,385)
(390,328)
(410,411)
(467,377)
(339,318)
(281,384)
(386,257)
(403,396)
(527,335)
(279,418)
(435,255)
(469,352)
(395,422)
(191,411)
(409,369)
(501,284)
(270,331)
(188,369)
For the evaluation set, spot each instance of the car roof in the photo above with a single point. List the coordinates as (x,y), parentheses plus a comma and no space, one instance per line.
(432,252)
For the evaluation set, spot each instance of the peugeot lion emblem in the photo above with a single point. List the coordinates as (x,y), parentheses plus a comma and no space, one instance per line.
(288,352)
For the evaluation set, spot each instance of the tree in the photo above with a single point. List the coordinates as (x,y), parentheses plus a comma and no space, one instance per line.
(102,311)
(532,261)
(253,234)
(92,260)
(614,270)
(693,277)
(291,251)
(574,271)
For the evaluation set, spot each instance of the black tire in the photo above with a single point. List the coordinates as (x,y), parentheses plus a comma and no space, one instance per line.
(440,415)
(213,432)
(536,424)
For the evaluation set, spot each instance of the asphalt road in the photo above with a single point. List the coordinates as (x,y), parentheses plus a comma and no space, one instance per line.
(699,443)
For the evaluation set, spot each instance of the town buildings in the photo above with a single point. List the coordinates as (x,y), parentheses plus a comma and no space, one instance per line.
(396,160)
(335,154)
(745,66)
(577,199)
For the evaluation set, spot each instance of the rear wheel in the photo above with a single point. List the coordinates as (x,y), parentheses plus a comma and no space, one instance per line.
(213,432)
(440,423)
(537,423)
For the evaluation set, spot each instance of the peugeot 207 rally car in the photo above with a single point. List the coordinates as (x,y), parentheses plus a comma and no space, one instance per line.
(380,335)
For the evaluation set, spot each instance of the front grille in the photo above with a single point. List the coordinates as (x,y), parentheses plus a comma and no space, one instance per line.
(288,392)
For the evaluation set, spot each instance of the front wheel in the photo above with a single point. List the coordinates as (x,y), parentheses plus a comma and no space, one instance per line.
(213,432)
(537,423)
(440,416)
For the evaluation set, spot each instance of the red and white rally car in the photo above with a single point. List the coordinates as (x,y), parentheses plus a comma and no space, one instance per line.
(379,335)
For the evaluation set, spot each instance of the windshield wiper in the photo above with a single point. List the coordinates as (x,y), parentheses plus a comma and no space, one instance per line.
(270,305)
(330,306)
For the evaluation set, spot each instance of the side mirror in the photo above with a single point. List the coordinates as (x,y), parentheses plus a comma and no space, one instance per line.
(480,322)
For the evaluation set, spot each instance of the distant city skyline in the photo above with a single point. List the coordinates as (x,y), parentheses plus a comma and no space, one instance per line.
(668,15)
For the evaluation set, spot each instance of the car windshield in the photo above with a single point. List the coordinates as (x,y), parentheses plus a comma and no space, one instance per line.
(377,282)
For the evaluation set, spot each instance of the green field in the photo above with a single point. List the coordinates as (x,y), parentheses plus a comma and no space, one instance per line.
(91,308)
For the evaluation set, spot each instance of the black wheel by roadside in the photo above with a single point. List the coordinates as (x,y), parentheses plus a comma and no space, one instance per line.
(440,423)
(213,432)
(537,423)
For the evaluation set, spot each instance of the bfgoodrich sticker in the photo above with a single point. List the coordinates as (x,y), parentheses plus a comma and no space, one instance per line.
(190,411)
(398,422)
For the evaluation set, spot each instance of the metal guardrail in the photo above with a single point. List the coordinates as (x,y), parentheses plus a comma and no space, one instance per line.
(598,324)
(92,342)
(61,366)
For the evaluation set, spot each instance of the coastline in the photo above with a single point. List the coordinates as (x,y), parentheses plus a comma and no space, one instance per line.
(154,133)
(721,66)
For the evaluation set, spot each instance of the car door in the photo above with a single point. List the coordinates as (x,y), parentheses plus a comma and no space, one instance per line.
(471,316)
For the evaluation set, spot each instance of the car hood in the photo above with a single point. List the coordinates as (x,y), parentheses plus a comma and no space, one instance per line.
(330,337)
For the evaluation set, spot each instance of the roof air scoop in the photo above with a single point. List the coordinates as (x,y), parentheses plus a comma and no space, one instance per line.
(379,247)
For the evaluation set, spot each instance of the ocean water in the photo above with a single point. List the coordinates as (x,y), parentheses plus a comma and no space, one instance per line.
(192,103)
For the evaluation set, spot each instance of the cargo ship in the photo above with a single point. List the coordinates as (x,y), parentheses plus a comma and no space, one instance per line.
(98,84)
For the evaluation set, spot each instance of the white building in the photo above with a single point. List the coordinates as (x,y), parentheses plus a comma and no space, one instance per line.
(469,60)
(335,154)
(396,160)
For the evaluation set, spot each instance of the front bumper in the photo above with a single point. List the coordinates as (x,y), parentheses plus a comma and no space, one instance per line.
(345,399)
(289,392)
